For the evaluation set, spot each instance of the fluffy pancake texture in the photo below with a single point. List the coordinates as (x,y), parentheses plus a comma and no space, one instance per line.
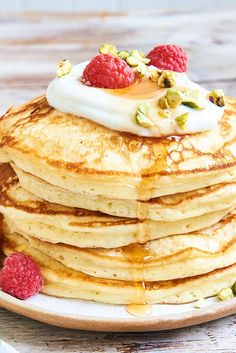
(165,208)
(54,223)
(118,218)
(62,281)
(174,257)
(166,258)
(81,156)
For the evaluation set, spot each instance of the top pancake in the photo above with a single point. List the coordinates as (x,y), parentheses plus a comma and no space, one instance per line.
(81,156)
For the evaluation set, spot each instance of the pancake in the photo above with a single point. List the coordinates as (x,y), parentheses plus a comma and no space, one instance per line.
(174,257)
(165,208)
(81,228)
(81,156)
(61,281)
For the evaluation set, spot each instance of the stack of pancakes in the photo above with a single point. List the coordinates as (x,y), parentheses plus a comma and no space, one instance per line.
(115,217)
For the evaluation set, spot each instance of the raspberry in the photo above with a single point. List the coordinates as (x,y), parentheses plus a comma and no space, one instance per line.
(169,57)
(20,276)
(108,71)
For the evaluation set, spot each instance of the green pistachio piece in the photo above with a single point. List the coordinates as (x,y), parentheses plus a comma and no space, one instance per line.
(143,108)
(190,99)
(142,116)
(132,61)
(137,56)
(63,68)
(166,79)
(163,103)
(143,120)
(142,54)
(123,54)
(217,97)
(108,49)
(234,288)
(154,75)
(134,52)
(181,120)
(141,69)
(192,104)
(146,60)
(225,294)
(174,98)
(163,113)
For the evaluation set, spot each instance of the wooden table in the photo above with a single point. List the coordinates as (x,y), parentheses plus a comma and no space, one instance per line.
(30,45)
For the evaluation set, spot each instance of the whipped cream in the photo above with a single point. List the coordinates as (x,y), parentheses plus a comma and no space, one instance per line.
(116,109)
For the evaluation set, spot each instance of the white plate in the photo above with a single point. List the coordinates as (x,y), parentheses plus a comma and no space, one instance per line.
(79,314)
(5,348)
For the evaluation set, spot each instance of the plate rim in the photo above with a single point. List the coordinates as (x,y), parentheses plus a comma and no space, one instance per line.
(134,324)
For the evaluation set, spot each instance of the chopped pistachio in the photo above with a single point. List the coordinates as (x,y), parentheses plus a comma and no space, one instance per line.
(217,97)
(181,120)
(154,75)
(136,58)
(134,52)
(142,116)
(108,49)
(143,108)
(225,294)
(146,60)
(199,304)
(137,54)
(192,104)
(190,99)
(143,120)
(132,61)
(163,103)
(174,98)
(142,54)
(63,67)
(123,54)
(234,288)
(163,113)
(141,69)
(167,79)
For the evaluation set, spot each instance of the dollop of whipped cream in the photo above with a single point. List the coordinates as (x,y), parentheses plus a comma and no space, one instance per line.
(116,109)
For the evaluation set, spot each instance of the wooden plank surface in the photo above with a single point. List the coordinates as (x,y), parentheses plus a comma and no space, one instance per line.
(30,45)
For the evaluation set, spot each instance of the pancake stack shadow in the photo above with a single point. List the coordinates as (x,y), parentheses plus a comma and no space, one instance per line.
(118,218)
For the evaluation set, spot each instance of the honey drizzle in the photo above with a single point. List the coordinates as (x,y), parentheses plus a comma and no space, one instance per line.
(137,254)
(143,88)
(140,254)
(157,161)
(139,309)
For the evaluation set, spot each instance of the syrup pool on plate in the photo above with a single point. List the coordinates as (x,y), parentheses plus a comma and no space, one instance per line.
(138,254)
(139,309)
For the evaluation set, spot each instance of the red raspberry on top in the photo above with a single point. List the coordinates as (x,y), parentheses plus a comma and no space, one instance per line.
(20,276)
(108,71)
(169,57)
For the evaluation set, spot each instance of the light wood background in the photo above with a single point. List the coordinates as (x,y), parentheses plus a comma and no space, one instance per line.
(30,45)
(114,5)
